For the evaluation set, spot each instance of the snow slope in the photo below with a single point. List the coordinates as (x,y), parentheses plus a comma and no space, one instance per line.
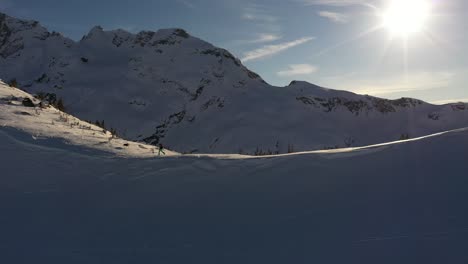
(398,203)
(49,122)
(170,87)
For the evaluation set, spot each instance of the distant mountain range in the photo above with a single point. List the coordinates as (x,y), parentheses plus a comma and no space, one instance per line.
(171,88)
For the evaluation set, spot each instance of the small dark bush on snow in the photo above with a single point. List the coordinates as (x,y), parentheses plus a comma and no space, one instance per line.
(28,102)
(13,83)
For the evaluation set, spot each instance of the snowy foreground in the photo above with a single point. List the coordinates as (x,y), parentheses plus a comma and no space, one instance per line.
(62,201)
(403,203)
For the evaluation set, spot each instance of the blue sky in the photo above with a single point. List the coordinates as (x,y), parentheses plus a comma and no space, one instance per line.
(320,41)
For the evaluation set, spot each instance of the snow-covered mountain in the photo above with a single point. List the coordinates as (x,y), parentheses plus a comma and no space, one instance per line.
(172,88)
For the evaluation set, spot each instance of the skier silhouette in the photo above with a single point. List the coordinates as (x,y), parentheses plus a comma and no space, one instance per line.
(161,150)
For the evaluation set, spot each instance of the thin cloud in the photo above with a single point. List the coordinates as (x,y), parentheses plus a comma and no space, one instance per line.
(186,3)
(298,69)
(262,38)
(339,3)
(334,2)
(270,50)
(259,14)
(334,16)
(397,84)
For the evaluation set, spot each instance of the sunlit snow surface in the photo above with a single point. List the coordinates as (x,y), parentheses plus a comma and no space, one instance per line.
(49,122)
(62,201)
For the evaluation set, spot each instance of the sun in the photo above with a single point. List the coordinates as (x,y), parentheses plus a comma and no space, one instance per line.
(405,17)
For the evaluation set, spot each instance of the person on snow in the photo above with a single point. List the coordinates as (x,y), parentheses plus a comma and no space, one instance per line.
(161,150)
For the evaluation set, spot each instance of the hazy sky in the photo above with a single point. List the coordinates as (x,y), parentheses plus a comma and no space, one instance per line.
(320,41)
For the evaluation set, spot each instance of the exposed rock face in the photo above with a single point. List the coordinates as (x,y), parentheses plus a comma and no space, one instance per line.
(362,105)
(172,88)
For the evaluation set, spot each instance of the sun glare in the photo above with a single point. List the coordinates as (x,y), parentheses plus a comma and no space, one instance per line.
(404,17)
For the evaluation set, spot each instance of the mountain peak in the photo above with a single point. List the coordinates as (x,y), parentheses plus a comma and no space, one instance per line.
(308,85)
(300,83)
(178,32)
(95,31)
(15,24)
(142,38)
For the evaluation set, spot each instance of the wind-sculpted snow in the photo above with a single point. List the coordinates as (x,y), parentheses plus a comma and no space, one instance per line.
(397,203)
(172,88)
